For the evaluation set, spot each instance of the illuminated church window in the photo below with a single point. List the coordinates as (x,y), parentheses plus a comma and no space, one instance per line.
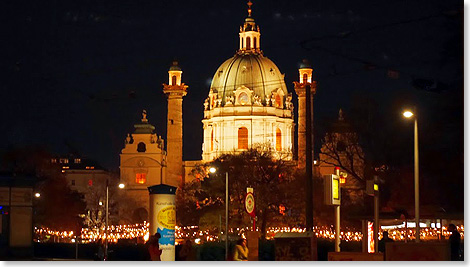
(140,178)
(141,147)
(242,138)
(173,80)
(212,140)
(278,101)
(278,140)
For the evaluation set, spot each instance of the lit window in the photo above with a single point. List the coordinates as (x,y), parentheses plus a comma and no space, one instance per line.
(278,101)
(77,161)
(242,138)
(53,160)
(278,140)
(140,178)
(64,161)
(212,140)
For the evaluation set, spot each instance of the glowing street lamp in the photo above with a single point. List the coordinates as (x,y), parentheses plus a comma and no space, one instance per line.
(408,114)
(213,170)
(38,195)
(121,186)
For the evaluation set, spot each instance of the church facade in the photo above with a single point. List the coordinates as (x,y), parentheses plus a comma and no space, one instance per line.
(248,106)
(248,103)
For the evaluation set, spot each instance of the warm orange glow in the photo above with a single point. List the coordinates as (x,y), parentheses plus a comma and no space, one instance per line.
(212,140)
(242,138)
(278,101)
(342,180)
(278,140)
(140,178)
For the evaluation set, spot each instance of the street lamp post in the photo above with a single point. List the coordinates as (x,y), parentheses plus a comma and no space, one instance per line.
(213,170)
(106,229)
(121,186)
(409,114)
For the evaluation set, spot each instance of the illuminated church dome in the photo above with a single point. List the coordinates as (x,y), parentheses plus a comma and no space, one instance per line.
(248,103)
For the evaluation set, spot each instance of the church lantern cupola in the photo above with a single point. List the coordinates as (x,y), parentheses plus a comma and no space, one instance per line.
(174,74)
(249,35)
(305,72)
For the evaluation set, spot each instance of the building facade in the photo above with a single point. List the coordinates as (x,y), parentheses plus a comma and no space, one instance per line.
(248,103)
(142,165)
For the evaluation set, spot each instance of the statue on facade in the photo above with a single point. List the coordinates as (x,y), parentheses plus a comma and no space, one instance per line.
(153,138)
(144,115)
(289,103)
(257,100)
(206,104)
(268,101)
(273,99)
(229,100)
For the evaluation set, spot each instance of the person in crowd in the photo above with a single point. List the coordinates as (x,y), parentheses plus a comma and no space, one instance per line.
(187,252)
(241,250)
(385,239)
(153,247)
(454,241)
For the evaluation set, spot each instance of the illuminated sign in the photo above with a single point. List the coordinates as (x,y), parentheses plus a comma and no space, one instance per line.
(370,237)
(332,189)
(335,188)
(376,187)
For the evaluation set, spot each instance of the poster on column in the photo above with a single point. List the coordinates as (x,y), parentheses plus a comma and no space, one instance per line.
(165,218)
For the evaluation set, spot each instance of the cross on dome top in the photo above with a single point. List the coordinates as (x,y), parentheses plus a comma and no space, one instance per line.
(249,8)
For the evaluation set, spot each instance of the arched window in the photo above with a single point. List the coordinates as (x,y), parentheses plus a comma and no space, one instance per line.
(254,42)
(140,178)
(305,78)
(242,138)
(278,140)
(248,43)
(173,80)
(212,140)
(141,147)
(278,101)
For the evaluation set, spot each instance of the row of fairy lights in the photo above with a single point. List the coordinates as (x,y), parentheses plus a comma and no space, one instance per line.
(140,231)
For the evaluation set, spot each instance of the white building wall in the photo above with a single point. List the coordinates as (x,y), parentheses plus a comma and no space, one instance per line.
(261,130)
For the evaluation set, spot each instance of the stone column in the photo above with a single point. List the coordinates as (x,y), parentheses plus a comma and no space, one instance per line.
(300,91)
(174,166)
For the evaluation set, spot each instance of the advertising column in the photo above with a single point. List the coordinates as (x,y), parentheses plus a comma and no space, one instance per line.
(163,218)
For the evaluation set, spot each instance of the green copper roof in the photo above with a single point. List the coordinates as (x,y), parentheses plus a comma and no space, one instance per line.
(143,128)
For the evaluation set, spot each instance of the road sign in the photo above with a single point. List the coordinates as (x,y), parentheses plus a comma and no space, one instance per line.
(250,204)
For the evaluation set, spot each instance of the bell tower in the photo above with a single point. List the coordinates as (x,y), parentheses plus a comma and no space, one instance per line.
(175,91)
(305,81)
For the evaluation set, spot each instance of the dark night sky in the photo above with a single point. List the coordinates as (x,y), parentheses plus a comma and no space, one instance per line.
(69,67)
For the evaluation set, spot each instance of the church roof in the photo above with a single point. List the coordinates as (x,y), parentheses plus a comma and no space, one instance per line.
(144,127)
(252,70)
